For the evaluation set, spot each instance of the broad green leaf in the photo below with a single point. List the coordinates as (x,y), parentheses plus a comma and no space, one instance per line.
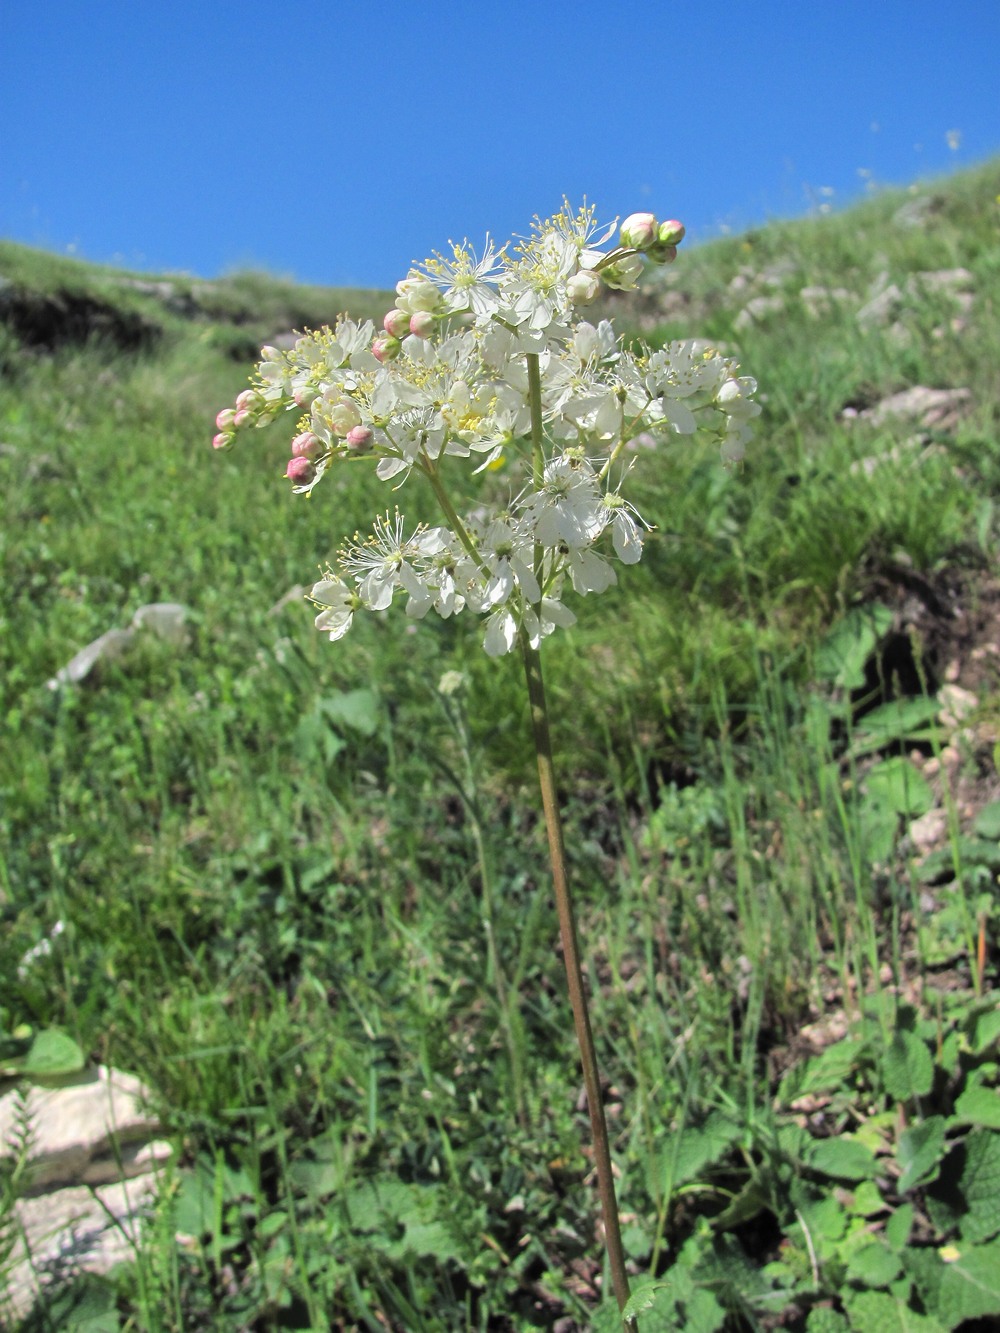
(435,1240)
(978,1106)
(356,709)
(959,858)
(902,719)
(644,1298)
(879,828)
(981,1186)
(919,1152)
(987,822)
(895,785)
(883,1312)
(697,1147)
(843,1158)
(823,1072)
(52,1054)
(867,1200)
(317,1180)
(907,1067)
(873,1265)
(840,659)
(899,1226)
(958,1282)
(823,1319)
(984,1028)
(823,1216)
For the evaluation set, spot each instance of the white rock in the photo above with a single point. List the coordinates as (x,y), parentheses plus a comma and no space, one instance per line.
(108,648)
(956,704)
(757,309)
(881,308)
(88,1129)
(165,620)
(91,1169)
(939,409)
(929,831)
(953,281)
(74,1230)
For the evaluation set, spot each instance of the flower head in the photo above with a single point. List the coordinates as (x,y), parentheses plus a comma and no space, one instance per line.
(486,381)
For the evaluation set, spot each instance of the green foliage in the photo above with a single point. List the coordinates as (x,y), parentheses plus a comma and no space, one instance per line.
(289,886)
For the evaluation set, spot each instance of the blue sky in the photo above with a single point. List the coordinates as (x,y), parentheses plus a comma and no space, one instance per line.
(336,142)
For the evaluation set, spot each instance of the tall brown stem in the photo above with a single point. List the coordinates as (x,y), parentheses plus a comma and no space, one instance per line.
(574,975)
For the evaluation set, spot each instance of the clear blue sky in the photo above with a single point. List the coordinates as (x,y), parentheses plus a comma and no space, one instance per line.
(336,142)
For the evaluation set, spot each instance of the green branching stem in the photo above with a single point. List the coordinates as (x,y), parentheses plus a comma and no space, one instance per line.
(574,974)
(537,435)
(450,512)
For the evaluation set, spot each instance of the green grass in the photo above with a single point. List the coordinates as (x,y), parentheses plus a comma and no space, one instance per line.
(262,849)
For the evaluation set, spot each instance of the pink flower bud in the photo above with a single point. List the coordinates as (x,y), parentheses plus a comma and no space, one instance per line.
(305,395)
(422,324)
(670,233)
(223,440)
(241,418)
(245,400)
(225,419)
(307,445)
(639,231)
(386,349)
(359,438)
(300,470)
(396,323)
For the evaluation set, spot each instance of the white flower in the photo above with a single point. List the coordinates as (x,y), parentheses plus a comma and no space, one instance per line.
(567,510)
(589,572)
(501,633)
(507,549)
(339,602)
(625,534)
(552,615)
(384,562)
(468,283)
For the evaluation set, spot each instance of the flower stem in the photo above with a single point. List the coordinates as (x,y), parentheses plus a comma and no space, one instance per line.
(574,974)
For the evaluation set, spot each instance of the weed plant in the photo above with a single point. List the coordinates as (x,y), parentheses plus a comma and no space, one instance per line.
(271,886)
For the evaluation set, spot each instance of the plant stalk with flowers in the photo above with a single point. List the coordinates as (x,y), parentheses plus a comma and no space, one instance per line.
(521,416)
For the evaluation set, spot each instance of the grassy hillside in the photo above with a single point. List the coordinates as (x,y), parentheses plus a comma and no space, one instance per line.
(260,867)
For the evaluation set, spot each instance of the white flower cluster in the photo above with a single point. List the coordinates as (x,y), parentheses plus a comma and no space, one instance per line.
(488,360)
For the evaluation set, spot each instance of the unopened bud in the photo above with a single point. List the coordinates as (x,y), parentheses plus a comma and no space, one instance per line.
(639,231)
(225,419)
(422,324)
(342,416)
(245,400)
(359,438)
(417,293)
(300,470)
(386,349)
(662,254)
(396,323)
(307,445)
(241,418)
(670,233)
(624,273)
(583,288)
(305,395)
(223,440)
